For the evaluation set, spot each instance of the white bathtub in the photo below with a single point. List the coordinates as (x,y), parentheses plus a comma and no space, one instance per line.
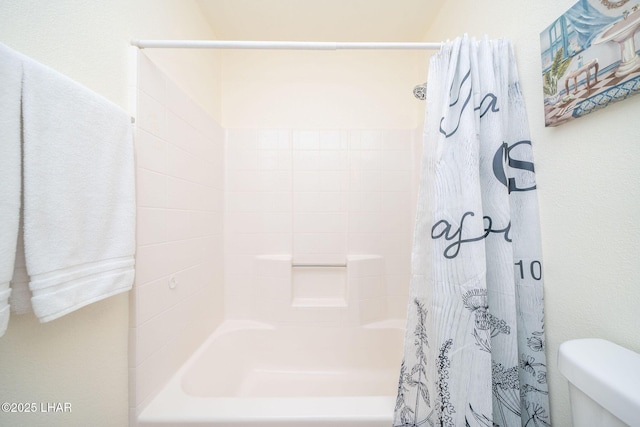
(251,374)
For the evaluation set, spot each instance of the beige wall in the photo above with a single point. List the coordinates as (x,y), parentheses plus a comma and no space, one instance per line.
(82,357)
(87,40)
(589,192)
(322,89)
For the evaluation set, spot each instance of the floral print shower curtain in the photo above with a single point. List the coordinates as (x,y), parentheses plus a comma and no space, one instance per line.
(475,349)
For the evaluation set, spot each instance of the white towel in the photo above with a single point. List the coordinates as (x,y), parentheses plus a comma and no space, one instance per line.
(10,78)
(79,201)
(20,299)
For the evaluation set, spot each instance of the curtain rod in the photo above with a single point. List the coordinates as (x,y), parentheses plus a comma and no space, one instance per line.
(293,45)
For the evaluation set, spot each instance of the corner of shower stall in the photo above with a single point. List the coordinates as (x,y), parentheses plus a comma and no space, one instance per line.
(252,240)
(317,243)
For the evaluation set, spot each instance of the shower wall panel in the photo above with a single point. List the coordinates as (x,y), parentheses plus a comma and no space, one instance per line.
(178,291)
(318,196)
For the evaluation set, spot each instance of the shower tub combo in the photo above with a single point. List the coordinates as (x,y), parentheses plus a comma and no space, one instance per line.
(277,373)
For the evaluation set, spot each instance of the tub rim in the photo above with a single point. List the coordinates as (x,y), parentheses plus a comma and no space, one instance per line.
(173,405)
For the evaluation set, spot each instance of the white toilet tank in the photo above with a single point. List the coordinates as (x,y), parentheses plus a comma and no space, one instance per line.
(604,383)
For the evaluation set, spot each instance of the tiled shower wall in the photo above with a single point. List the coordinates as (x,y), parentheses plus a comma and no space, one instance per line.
(318,196)
(178,292)
(312,196)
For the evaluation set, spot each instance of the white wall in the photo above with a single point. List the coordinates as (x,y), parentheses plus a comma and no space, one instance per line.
(82,357)
(589,192)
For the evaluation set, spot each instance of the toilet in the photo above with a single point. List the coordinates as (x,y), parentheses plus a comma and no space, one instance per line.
(604,383)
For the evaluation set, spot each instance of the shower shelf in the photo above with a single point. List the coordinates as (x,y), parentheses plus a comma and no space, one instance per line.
(319,265)
(319,302)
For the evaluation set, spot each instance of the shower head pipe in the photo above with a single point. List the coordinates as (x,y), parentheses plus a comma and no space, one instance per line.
(287,45)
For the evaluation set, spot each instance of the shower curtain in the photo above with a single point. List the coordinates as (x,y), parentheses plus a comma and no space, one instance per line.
(474,348)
